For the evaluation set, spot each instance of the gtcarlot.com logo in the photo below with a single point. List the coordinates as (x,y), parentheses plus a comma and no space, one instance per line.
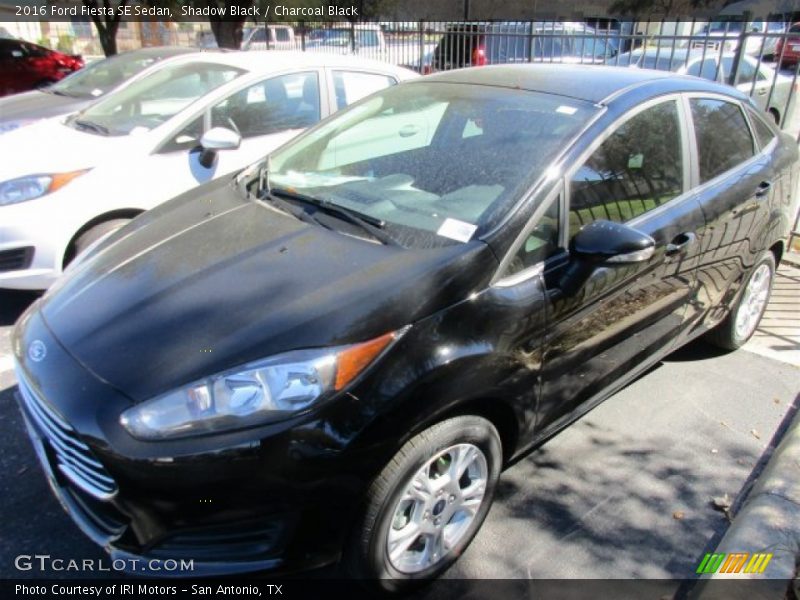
(45,563)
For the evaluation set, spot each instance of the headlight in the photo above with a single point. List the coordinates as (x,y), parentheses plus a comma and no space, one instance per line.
(256,393)
(7,126)
(34,186)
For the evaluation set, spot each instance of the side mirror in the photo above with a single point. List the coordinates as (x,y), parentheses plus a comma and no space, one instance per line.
(214,140)
(604,242)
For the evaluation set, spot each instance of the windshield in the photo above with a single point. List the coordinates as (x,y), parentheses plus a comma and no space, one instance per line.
(435,162)
(153,99)
(104,75)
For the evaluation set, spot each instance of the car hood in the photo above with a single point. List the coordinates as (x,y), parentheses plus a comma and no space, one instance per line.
(209,281)
(35,105)
(49,146)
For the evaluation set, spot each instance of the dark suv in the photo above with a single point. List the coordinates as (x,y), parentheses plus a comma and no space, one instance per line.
(478,44)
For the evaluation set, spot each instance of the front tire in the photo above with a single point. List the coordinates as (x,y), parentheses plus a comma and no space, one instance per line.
(92,236)
(741,323)
(427,504)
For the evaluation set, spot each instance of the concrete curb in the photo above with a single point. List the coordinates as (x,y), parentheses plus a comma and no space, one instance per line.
(768,522)
(791,258)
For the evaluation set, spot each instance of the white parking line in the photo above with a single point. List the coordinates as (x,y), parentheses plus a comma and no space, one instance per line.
(6,364)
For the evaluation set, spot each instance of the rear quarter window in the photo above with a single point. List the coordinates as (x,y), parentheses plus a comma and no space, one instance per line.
(764,133)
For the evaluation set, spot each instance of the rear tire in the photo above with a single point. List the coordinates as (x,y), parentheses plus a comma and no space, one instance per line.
(744,317)
(427,504)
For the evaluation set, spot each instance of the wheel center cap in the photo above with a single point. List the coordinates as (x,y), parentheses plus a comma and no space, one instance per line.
(439,507)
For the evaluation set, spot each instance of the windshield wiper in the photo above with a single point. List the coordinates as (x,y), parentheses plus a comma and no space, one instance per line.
(368,223)
(91,126)
(291,209)
(57,92)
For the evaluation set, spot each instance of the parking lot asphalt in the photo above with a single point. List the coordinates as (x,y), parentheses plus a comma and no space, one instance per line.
(629,491)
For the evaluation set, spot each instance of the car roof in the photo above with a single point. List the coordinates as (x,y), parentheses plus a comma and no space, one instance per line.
(591,83)
(268,61)
(679,53)
(584,82)
(159,51)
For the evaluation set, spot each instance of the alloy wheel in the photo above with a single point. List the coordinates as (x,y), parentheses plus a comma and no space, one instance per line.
(753,302)
(437,508)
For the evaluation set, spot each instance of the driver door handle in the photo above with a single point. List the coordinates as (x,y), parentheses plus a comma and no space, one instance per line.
(763,189)
(680,244)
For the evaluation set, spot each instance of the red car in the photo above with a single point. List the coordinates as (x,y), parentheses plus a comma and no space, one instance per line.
(25,66)
(788,50)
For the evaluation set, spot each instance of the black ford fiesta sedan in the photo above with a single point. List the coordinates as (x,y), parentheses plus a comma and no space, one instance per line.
(334,354)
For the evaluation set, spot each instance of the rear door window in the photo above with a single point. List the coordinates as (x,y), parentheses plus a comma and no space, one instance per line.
(706,68)
(350,86)
(723,137)
(747,70)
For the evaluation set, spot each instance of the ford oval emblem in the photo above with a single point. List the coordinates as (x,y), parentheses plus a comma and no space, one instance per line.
(37,351)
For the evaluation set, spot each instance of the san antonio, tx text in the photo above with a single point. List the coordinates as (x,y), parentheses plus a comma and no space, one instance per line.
(60,589)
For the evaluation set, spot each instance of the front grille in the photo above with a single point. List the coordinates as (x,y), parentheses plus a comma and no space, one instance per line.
(74,458)
(16,259)
(102,516)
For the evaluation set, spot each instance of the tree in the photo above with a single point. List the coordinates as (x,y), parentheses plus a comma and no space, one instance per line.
(228,30)
(106,17)
(662,8)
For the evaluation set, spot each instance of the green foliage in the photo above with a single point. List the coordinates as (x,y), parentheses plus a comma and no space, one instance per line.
(662,8)
(65,43)
(43,41)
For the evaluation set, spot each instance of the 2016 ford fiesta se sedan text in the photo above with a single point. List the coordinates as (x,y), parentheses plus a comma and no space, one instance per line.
(334,354)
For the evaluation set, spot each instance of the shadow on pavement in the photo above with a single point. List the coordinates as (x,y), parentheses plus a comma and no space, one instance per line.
(694,351)
(13,303)
(34,522)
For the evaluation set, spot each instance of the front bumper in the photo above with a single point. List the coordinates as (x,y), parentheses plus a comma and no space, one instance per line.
(30,247)
(267,504)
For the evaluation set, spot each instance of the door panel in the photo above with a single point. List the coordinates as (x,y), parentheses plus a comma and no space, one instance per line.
(625,316)
(735,198)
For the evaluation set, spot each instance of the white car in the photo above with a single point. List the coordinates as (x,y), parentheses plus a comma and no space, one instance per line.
(770,90)
(66,183)
(269,37)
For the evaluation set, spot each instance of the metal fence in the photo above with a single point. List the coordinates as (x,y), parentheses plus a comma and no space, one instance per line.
(746,54)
